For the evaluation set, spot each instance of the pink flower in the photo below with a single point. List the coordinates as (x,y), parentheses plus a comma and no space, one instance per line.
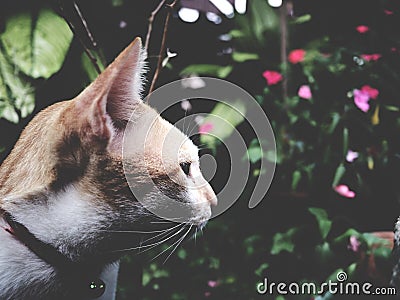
(296,56)
(207,294)
(361,99)
(343,190)
(371,57)
(388,12)
(212,283)
(362,29)
(272,77)
(354,243)
(205,128)
(351,156)
(305,92)
(372,93)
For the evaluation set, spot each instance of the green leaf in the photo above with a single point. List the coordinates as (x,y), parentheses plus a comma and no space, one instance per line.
(214,263)
(254,152)
(259,271)
(296,177)
(88,66)
(263,18)
(334,122)
(302,19)
(208,69)
(345,236)
(324,251)
(8,112)
(351,269)
(283,241)
(273,156)
(338,174)
(249,243)
(182,254)
(383,252)
(117,3)
(146,278)
(372,240)
(235,33)
(242,56)
(37,45)
(223,118)
(345,141)
(323,222)
(392,108)
(15,91)
(336,68)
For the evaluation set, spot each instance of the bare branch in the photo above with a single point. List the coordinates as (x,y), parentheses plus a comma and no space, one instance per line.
(151,20)
(284,40)
(85,48)
(90,35)
(162,48)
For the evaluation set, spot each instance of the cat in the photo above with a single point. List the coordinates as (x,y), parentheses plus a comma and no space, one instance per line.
(64,197)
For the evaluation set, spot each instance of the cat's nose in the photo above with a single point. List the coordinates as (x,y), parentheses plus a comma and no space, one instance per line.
(210,195)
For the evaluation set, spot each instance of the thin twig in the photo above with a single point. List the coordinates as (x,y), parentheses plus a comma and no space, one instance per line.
(162,48)
(87,51)
(284,39)
(90,35)
(151,20)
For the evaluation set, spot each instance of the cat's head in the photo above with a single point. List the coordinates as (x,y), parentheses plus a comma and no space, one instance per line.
(79,147)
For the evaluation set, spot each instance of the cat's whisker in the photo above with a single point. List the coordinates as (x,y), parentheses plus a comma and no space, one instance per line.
(195,236)
(167,248)
(165,231)
(169,220)
(146,246)
(160,242)
(134,231)
(177,245)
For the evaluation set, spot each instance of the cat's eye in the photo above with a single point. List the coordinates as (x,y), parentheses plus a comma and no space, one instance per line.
(185,166)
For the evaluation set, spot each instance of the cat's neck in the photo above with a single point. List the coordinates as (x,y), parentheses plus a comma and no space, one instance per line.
(68,220)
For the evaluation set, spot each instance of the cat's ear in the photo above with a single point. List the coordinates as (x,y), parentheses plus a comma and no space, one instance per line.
(111,99)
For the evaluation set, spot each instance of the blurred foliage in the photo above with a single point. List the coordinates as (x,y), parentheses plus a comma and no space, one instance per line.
(331,143)
(337,142)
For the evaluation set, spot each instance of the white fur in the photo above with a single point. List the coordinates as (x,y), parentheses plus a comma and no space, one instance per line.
(62,220)
(69,215)
(21,265)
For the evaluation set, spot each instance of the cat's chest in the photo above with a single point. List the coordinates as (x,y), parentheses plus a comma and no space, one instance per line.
(20,265)
(26,276)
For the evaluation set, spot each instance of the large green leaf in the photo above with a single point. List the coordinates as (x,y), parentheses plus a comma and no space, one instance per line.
(37,44)
(15,92)
(253,26)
